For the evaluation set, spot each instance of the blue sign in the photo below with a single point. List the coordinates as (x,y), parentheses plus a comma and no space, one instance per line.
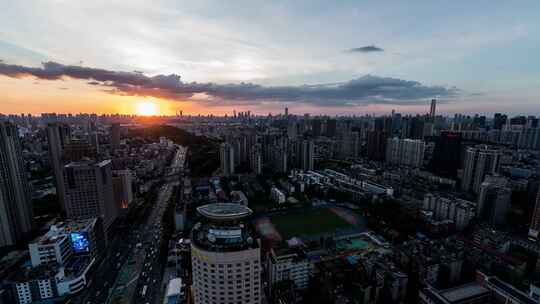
(79,242)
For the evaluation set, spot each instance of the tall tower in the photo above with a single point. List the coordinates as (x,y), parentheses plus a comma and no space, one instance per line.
(534,230)
(479,162)
(89,191)
(307,151)
(331,127)
(408,152)
(58,136)
(15,199)
(447,154)
(115,135)
(376,145)
(494,200)
(225,259)
(226,156)
(432,108)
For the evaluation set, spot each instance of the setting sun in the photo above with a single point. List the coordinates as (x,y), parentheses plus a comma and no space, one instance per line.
(147,108)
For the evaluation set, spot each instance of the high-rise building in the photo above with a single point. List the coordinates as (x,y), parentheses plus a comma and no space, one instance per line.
(407,152)
(446,155)
(292,130)
(376,145)
(479,162)
(58,136)
(93,136)
(432,109)
(122,188)
(331,127)
(255,159)
(226,157)
(225,258)
(306,156)
(461,212)
(494,200)
(15,199)
(77,150)
(316,127)
(499,120)
(348,145)
(417,127)
(278,161)
(529,138)
(89,191)
(534,230)
(115,135)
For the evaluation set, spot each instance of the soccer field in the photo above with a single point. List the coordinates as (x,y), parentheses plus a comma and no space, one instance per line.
(308,222)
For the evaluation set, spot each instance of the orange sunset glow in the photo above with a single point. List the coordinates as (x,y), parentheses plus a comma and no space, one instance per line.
(147,108)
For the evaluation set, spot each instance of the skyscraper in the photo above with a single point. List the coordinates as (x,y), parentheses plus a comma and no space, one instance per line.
(494,200)
(376,145)
(122,188)
(89,191)
(499,120)
(479,162)
(255,159)
(225,259)
(15,200)
(447,154)
(58,136)
(417,127)
(534,230)
(115,135)
(316,127)
(408,152)
(331,127)
(226,157)
(292,130)
(432,109)
(306,157)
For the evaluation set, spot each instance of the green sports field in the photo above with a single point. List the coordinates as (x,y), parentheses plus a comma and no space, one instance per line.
(308,222)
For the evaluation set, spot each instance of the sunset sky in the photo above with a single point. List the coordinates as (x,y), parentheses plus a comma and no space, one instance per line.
(330,57)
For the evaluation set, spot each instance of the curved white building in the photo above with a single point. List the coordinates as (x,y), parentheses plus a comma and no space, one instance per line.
(226,260)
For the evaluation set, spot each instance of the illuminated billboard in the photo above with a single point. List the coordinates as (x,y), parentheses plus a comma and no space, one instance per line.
(80,242)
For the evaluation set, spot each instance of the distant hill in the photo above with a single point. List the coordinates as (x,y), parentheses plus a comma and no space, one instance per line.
(203,153)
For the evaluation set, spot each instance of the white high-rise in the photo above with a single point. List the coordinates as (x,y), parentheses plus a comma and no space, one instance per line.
(225,259)
(479,162)
(407,152)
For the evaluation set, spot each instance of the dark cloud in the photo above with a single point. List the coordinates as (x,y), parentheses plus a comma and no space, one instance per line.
(364,90)
(365,49)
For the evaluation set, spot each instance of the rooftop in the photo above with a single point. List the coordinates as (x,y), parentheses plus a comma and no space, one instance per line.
(463,292)
(224,211)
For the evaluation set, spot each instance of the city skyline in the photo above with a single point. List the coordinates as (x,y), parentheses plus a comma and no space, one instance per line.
(278,152)
(206,57)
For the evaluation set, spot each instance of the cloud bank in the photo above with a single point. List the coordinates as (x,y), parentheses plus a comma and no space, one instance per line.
(360,91)
(366,49)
